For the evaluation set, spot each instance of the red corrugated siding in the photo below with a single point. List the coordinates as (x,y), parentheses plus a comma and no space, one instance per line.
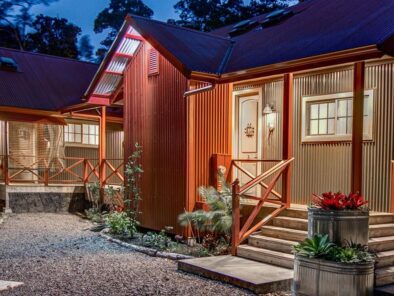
(155,116)
(212,129)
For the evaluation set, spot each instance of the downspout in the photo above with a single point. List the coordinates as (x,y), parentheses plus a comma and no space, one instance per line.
(209,87)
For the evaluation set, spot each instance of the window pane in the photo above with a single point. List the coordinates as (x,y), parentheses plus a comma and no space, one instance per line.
(342,108)
(314,111)
(66,129)
(71,137)
(77,138)
(349,107)
(77,129)
(323,127)
(314,127)
(96,140)
(349,125)
(331,110)
(331,126)
(71,128)
(96,129)
(85,139)
(323,111)
(91,139)
(366,106)
(65,137)
(92,129)
(85,129)
(341,126)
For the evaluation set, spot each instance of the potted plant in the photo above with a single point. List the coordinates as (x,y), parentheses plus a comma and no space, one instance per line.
(324,268)
(344,218)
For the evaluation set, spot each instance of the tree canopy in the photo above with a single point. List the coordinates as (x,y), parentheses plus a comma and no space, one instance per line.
(112,18)
(15,18)
(207,15)
(54,36)
(85,49)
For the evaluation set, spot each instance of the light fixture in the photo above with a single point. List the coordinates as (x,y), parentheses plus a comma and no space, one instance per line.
(267,109)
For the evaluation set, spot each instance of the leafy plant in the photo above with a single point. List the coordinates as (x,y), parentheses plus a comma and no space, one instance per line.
(133,173)
(351,253)
(95,215)
(94,189)
(120,223)
(318,246)
(159,241)
(339,201)
(218,218)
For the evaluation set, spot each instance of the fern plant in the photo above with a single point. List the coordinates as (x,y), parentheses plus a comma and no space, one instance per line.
(218,218)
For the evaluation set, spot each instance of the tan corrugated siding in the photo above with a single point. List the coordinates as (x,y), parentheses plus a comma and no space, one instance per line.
(155,117)
(320,167)
(3,142)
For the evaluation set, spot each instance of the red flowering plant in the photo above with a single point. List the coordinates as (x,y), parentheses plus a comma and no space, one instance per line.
(339,201)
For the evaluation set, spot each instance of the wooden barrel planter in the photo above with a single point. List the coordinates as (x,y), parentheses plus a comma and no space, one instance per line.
(344,226)
(327,278)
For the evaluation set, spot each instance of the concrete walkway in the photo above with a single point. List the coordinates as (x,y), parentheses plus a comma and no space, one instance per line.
(255,276)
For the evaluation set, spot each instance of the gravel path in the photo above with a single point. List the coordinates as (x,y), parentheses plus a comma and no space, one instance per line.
(54,254)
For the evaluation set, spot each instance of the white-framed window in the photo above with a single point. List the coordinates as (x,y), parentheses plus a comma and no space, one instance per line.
(81,134)
(329,117)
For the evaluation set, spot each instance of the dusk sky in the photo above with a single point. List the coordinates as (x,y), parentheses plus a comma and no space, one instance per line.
(83,12)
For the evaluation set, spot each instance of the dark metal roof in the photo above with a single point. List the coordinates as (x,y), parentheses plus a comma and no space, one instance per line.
(43,82)
(317,27)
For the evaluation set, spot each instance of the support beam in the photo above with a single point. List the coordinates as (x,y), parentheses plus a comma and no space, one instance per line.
(287,123)
(358,120)
(102,151)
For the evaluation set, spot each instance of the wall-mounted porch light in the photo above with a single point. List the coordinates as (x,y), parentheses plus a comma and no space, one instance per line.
(269,113)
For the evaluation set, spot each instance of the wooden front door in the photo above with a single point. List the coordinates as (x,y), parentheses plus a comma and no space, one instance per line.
(248,134)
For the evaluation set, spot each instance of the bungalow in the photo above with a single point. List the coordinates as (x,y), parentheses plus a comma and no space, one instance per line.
(42,141)
(290,103)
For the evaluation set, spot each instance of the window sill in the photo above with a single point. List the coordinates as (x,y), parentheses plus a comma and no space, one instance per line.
(78,145)
(333,139)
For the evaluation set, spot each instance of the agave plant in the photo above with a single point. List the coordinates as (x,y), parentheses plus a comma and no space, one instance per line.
(218,217)
(316,247)
(351,253)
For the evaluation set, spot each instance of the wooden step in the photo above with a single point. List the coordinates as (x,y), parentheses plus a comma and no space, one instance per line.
(266,256)
(380,244)
(384,259)
(384,276)
(271,243)
(295,213)
(290,222)
(379,230)
(380,218)
(284,233)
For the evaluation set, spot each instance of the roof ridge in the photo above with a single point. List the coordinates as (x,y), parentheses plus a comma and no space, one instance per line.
(46,55)
(181,28)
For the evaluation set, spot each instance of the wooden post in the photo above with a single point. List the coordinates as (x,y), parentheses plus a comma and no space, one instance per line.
(357,131)
(287,126)
(102,151)
(85,171)
(236,218)
(6,163)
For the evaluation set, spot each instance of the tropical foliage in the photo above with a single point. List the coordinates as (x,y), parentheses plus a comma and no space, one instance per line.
(218,217)
(339,201)
(316,247)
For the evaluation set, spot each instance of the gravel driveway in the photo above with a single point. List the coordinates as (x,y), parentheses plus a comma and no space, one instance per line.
(54,254)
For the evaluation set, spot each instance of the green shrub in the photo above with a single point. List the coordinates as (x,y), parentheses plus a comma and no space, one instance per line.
(120,223)
(160,241)
(351,254)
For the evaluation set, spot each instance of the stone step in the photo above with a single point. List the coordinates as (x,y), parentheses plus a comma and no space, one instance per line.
(290,222)
(384,276)
(385,258)
(271,243)
(380,244)
(284,233)
(380,230)
(258,277)
(266,256)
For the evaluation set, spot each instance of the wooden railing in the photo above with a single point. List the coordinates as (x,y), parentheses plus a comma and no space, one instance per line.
(258,190)
(60,170)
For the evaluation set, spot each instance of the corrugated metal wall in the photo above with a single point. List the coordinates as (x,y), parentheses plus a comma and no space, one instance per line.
(212,130)
(155,117)
(322,167)
(3,141)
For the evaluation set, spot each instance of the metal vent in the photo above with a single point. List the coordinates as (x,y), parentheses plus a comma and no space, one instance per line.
(8,64)
(153,62)
(276,17)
